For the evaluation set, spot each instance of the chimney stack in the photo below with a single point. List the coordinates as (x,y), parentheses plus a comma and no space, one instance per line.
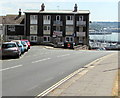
(42,7)
(19,12)
(75,8)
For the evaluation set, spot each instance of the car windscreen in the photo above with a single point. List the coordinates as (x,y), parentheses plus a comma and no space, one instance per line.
(26,41)
(23,42)
(10,45)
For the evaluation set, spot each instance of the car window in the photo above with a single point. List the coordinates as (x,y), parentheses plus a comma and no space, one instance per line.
(8,45)
(26,41)
(23,42)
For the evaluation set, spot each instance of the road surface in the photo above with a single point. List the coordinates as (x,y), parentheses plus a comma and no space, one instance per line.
(40,68)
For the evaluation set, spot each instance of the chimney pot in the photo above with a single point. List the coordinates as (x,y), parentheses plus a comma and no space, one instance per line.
(42,7)
(19,12)
(75,8)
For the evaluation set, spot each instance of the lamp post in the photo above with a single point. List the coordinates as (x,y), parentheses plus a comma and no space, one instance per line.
(74,27)
(3,29)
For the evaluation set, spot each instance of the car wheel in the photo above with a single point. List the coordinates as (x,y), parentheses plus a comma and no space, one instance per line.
(18,56)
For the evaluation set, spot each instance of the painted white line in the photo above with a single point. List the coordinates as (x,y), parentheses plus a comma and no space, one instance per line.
(41,60)
(58,84)
(11,67)
(63,55)
(81,71)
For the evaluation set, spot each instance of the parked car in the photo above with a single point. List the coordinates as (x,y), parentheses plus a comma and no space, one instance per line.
(28,43)
(20,45)
(25,45)
(10,49)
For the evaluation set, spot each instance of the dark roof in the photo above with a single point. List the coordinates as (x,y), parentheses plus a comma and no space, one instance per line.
(11,19)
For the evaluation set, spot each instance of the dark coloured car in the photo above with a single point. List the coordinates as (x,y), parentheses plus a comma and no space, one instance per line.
(10,49)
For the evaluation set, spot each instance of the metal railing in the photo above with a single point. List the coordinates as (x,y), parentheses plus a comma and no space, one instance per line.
(57,22)
(81,23)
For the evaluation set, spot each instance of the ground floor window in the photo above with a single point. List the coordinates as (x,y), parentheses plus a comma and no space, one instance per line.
(81,40)
(33,38)
(46,39)
(69,39)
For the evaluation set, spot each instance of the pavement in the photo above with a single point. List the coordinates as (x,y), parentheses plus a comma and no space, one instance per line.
(97,79)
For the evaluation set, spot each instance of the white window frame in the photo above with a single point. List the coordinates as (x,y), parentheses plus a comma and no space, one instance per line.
(59,17)
(34,29)
(47,17)
(71,17)
(81,18)
(33,18)
(34,38)
(71,39)
(47,39)
(47,28)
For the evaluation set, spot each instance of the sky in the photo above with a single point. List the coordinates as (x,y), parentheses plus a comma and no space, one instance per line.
(100,10)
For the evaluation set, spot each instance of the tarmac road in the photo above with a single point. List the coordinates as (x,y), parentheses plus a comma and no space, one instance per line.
(40,68)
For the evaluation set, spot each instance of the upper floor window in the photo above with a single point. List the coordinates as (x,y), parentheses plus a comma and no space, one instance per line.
(80,18)
(57,28)
(69,17)
(57,17)
(46,27)
(46,17)
(69,28)
(33,29)
(33,19)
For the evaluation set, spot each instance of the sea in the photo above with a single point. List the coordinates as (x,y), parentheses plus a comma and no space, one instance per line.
(114,37)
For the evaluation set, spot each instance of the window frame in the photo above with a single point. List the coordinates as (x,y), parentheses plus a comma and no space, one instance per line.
(33,38)
(57,18)
(70,39)
(81,18)
(33,28)
(47,38)
(47,28)
(70,16)
(33,18)
(46,17)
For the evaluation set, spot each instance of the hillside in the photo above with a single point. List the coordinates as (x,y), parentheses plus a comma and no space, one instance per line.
(100,25)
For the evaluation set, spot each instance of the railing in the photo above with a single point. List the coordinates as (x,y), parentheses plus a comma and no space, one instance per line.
(69,22)
(57,33)
(81,34)
(81,23)
(46,22)
(58,23)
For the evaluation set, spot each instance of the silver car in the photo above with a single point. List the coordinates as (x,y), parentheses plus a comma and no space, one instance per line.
(10,49)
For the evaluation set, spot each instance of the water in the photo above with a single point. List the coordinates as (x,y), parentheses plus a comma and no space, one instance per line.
(106,37)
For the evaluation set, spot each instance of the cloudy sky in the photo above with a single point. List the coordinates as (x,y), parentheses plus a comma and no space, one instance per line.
(101,10)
